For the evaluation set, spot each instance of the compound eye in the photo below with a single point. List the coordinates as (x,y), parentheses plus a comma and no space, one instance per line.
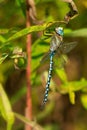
(59,31)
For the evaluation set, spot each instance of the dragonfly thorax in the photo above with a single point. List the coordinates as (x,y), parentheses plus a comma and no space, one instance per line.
(55,42)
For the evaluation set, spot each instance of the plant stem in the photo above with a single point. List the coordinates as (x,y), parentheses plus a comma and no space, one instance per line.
(28,111)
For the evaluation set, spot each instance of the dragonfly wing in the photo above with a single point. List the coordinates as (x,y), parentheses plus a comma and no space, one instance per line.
(67,47)
(45,57)
(60,61)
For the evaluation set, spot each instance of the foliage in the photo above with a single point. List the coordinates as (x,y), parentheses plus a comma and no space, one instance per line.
(12,51)
(5,108)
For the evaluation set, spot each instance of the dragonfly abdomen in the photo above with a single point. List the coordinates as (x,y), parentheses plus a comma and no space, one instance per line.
(49,78)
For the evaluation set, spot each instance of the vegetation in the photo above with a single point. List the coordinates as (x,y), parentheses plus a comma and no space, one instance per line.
(20,63)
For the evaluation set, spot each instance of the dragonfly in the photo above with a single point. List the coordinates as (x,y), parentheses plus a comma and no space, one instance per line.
(56,46)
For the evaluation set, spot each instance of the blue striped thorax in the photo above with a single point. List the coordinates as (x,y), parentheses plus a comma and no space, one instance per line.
(59,31)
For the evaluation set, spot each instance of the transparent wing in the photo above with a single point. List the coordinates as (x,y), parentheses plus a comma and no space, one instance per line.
(67,47)
(60,61)
(45,57)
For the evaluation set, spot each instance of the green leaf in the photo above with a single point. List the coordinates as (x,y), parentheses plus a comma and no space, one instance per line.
(3,57)
(73,86)
(8,47)
(62,75)
(52,25)
(77,33)
(2,39)
(36,28)
(72,97)
(84,100)
(26,31)
(67,31)
(38,49)
(5,108)
(21,4)
(24,119)
(27,121)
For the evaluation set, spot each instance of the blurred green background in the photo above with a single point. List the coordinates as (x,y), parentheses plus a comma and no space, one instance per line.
(67,105)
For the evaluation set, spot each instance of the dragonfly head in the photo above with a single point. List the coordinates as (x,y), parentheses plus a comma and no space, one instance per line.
(59,31)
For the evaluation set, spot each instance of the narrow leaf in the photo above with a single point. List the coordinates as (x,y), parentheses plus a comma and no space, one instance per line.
(5,108)
(26,31)
(72,97)
(73,85)
(27,121)
(84,100)
(62,75)
(3,57)
(2,39)
(77,33)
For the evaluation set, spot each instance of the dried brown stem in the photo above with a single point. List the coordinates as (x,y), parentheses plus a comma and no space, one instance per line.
(73,10)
